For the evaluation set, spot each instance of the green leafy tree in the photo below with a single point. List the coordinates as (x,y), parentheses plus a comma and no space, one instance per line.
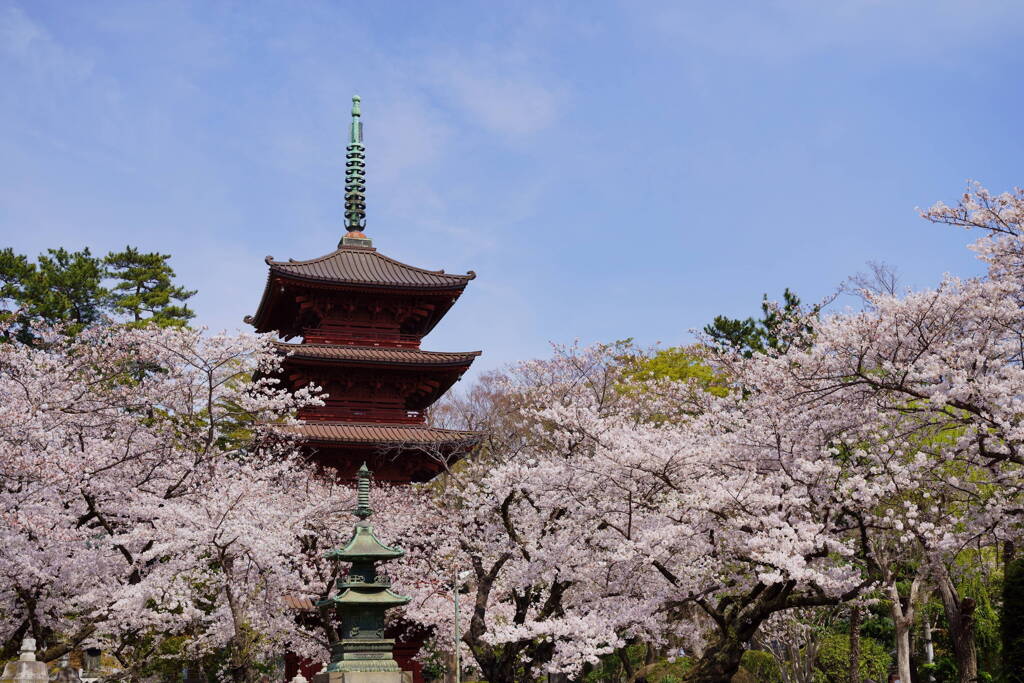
(15,271)
(676,363)
(771,332)
(76,289)
(144,290)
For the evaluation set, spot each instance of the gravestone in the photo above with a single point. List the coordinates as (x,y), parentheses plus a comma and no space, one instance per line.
(67,673)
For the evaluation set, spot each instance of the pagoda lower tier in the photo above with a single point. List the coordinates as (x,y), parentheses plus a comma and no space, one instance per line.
(375,400)
(397,453)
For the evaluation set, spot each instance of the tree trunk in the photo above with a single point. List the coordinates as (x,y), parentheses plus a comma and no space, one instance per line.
(721,659)
(239,666)
(627,666)
(500,671)
(903,620)
(960,615)
(903,653)
(929,648)
(736,627)
(855,644)
(1011,621)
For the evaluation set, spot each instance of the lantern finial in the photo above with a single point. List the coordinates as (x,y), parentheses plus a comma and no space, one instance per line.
(363,509)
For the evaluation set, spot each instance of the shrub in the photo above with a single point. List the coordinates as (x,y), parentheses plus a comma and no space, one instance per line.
(762,665)
(834,659)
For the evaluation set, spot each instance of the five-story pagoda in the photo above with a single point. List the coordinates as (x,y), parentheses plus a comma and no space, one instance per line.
(360,317)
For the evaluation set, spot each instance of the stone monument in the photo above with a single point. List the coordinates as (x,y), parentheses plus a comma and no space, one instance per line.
(25,668)
(363,654)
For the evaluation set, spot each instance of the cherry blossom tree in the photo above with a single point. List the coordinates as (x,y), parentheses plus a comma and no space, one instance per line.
(146,497)
(920,398)
(636,509)
(540,600)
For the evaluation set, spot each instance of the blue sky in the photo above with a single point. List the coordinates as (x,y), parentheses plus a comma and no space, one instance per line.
(608,169)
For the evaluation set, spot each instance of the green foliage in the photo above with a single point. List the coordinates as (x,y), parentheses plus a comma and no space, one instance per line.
(670,671)
(677,363)
(981,581)
(762,666)
(762,335)
(1012,623)
(833,664)
(942,670)
(144,290)
(610,667)
(77,289)
(62,287)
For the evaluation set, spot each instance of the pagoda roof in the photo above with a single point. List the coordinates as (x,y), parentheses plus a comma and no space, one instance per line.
(367,267)
(385,434)
(376,354)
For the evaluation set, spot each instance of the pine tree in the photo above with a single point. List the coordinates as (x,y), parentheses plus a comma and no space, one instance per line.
(769,333)
(145,291)
(76,290)
(61,288)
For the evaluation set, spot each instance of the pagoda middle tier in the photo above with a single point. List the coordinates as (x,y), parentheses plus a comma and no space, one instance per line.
(373,383)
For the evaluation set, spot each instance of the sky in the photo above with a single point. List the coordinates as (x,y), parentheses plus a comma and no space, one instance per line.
(608,169)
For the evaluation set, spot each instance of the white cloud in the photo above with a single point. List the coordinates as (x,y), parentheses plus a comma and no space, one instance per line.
(509,99)
(32,46)
(405,134)
(783,30)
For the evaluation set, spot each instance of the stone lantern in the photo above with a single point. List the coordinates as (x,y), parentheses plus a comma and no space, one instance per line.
(363,654)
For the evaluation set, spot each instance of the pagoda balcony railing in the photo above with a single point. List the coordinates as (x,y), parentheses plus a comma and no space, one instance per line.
(349,414)
(351,337)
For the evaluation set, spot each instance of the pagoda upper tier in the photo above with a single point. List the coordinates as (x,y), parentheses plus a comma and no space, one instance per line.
(355,295)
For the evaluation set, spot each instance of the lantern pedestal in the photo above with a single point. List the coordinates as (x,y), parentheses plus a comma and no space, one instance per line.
(364,677)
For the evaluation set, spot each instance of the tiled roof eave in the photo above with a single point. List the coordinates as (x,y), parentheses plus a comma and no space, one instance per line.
(376,286)
(373,355)
(368,267)
(349,433)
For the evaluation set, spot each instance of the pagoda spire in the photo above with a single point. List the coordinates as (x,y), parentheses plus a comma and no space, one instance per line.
(355,182)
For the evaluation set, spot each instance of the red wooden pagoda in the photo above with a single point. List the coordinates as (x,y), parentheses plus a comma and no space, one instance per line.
(359,317)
